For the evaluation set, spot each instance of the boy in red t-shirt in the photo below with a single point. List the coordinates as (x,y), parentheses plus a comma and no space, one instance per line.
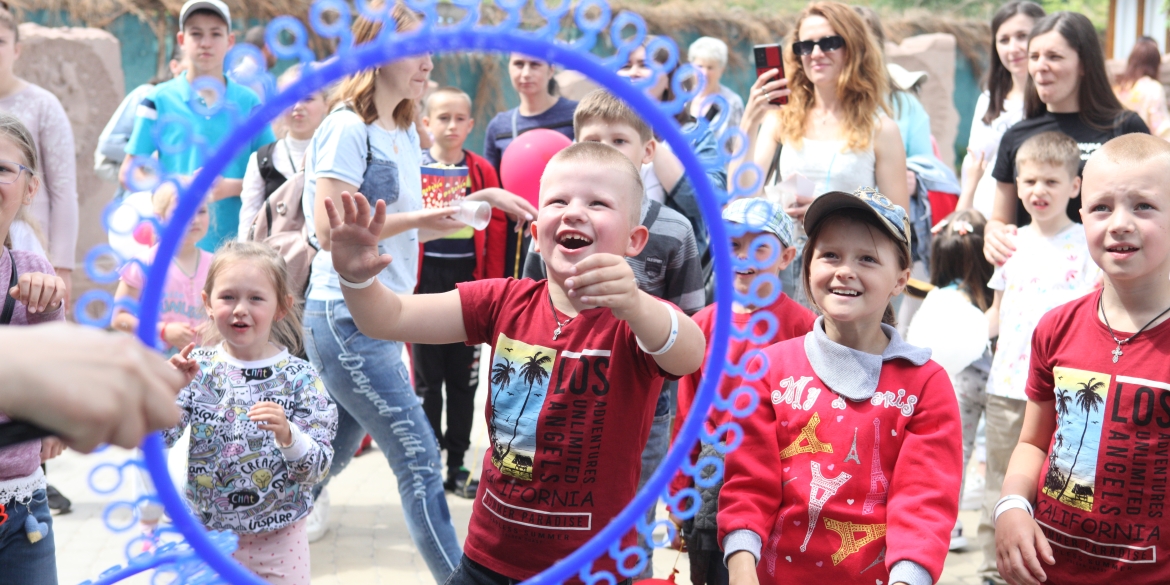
(1092,458)
(764,247)
(576,362)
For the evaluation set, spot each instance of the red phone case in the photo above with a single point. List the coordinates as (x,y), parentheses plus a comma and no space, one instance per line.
(769,57)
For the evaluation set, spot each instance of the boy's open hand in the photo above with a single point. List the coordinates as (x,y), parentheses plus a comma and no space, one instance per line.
(269,416)
(186,366)
(354,235)
(1020,545)
(605,280)
(39,292)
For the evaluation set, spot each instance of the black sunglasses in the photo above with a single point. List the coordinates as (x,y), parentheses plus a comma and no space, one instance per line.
(826,44)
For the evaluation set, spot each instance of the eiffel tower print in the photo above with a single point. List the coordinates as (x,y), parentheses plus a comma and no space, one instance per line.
(820,490)
(852,456)
(878,486)
(849,541)
(807,441)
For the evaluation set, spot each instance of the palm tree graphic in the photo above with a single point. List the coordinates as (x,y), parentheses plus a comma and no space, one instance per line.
(501,376)
(533,373)
(1088,400)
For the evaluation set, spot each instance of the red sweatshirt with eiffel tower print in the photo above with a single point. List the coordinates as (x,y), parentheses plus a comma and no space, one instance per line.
(840,489)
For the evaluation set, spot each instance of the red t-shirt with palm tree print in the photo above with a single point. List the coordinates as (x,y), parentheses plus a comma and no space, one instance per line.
(567,419)
(1105,517)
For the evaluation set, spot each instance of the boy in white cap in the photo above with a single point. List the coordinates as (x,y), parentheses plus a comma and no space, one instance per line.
(183,110)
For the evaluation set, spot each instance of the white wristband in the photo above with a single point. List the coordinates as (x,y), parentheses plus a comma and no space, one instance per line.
(1011,502)
(362,284)
(669,340)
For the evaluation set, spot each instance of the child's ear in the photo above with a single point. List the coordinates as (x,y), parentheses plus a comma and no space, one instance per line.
(638,238)
(535,240)
(470,125)
(1076,183)
(231,40)
(426,120)
(34,184)
(206,302)
(648,151)
(281,312)
(786,258)
(900,286)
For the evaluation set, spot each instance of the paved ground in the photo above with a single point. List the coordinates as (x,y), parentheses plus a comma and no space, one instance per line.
(367,542)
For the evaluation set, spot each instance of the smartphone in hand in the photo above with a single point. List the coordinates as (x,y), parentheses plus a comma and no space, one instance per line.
(768,57)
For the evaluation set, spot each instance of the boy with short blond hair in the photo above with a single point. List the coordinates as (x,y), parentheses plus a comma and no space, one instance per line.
(460,257)
(668,267)
(576,362)
(1091,460)
(1051,266)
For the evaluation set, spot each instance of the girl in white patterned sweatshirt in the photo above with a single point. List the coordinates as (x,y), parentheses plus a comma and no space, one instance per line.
(261,422)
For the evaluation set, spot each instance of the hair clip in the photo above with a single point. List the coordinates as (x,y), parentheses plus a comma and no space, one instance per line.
(938,227)
(962,227)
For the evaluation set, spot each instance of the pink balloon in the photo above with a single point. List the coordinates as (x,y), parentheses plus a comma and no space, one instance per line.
(144,234)
(525,158)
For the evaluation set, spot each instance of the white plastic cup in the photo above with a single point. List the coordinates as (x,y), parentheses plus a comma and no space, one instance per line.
(476,214)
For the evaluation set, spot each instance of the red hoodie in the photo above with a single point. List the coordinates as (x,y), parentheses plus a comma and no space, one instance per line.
(840,489)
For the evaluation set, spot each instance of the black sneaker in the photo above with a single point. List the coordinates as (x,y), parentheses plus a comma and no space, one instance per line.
(57,501)
(460,482)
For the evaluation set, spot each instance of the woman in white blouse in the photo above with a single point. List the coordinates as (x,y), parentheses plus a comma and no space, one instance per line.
(1002,104)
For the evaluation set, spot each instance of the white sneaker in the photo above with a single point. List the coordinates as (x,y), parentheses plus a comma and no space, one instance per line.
(318,522)
(958,541)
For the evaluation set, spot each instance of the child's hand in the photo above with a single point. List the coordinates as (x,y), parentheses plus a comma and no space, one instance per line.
(178,334)
(354,232)
(269,416)
(1019,547)
(50,448)
(39,292)
(186,366)
(605,280)
(741,568)
(677,543)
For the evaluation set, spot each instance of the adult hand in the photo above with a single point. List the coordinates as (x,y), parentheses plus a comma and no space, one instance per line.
(798,207)
(354,233)
(766,88)
(270,416)
(39,292)
(87,386)
(974,165)
(998,242)
(438,219)
(605,280)
(1020,545)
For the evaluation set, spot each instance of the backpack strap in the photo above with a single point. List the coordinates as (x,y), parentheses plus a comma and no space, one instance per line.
(9,301)
(273,178)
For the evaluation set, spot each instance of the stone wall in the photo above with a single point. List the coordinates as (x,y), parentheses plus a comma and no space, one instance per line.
(83,68)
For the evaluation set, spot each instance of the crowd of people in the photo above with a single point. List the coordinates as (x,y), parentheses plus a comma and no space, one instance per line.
(873,288)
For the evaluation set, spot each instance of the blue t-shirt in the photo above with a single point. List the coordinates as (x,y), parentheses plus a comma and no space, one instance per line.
(167,118)
(499,132)
(338,151)
(914,124)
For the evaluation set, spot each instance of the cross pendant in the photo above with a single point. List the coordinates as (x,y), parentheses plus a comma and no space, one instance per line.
(1116,352)
(557,332)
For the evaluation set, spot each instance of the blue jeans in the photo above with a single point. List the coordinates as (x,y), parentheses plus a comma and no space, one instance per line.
(371,385)
(24,562)
(652,455)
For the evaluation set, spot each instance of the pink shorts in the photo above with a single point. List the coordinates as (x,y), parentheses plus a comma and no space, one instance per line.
(280,557)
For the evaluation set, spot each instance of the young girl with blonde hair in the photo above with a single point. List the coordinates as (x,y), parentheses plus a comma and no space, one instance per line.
(261,423)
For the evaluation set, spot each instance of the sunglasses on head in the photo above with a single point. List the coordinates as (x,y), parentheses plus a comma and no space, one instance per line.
(826,44)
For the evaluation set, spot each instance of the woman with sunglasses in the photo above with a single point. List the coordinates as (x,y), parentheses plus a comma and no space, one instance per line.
(1068,91)
(836,129)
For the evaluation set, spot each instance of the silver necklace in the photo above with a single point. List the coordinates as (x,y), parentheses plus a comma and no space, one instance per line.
(1117,350)
(557,331)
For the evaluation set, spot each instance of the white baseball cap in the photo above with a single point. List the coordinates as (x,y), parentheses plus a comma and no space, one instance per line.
(216,6)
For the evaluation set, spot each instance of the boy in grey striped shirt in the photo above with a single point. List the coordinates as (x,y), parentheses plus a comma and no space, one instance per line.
(667,268)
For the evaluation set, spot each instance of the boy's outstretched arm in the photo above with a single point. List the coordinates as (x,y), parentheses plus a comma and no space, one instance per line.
(606,280)
(377,311)
(1020,545)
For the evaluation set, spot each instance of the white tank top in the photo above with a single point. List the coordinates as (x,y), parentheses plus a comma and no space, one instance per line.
(829,165)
